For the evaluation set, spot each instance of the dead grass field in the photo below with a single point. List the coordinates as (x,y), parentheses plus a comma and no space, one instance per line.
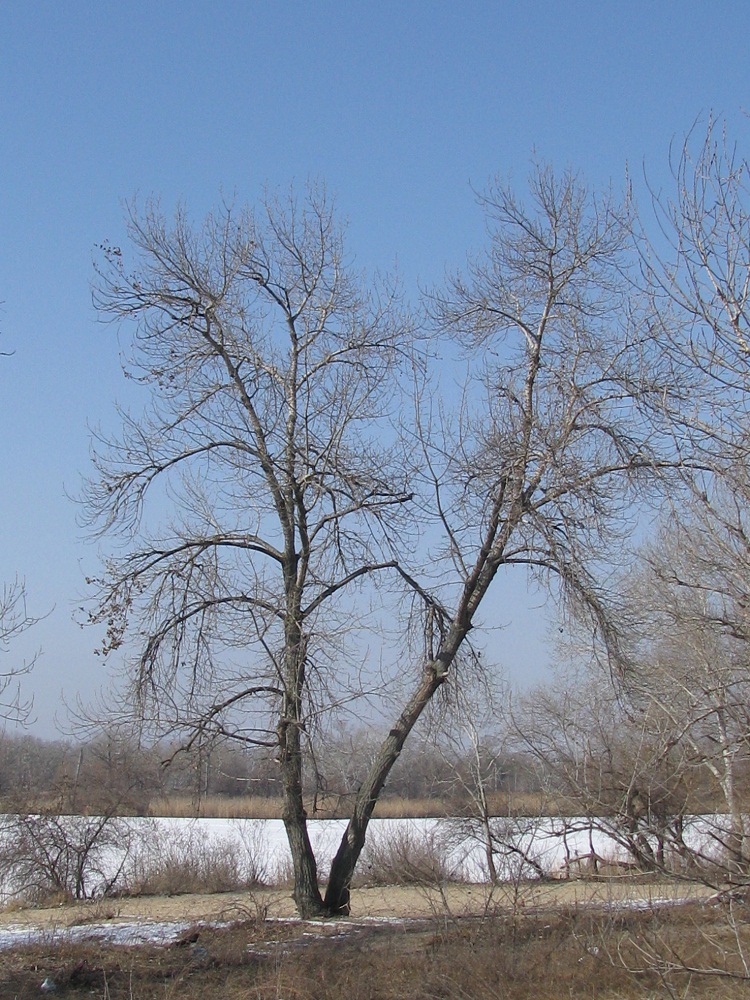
(337,807)
(452,900)
(542,941)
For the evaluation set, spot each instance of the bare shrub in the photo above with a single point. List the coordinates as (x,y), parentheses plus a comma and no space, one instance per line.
(512,842)
(73,857)
(172,860)
(404,854)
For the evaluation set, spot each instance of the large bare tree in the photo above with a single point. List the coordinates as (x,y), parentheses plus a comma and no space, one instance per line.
(258,490)
(271,372)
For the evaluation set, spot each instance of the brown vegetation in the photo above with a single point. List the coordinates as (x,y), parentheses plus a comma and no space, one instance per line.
(389,807)
(569,953)
(109,774)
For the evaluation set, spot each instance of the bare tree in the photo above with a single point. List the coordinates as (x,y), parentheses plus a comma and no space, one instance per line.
(696,272)
(617,765)
(14,620)
(272,371)
(697,275)
(689,648)
(537,463)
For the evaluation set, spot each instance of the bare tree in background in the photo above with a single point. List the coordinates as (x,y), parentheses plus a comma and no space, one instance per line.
(686,615)
(14,620)
(271,370)
(619,766)
(697,275)
(690,658)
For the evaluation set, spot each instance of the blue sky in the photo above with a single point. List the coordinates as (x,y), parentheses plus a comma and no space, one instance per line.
(401,108)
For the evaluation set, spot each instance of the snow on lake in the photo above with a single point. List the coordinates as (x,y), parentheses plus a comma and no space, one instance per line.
(523,847)
(539,844)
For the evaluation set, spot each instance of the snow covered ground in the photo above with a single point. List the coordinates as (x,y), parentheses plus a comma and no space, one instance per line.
(124,934)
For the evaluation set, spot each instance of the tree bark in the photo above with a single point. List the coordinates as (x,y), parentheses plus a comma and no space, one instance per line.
(353,840)
(306,893)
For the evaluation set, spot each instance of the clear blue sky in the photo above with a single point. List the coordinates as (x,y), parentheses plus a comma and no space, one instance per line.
(400,107)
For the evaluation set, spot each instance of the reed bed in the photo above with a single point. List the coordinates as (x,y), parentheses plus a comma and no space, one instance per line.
(338,807)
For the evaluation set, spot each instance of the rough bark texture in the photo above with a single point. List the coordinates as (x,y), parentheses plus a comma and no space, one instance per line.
(306,892)
(350,848)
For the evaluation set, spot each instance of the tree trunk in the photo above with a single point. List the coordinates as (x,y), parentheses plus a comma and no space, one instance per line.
(306,893)
(434,674)
(736,847)
(353,840)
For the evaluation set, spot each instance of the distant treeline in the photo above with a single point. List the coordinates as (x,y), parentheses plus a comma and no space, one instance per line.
(113,773)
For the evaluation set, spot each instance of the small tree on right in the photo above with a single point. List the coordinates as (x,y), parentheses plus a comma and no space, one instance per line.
(691,603)
(684,628)
(690,663)
(614,766)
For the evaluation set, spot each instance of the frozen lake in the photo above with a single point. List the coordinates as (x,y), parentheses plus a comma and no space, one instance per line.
(522,847)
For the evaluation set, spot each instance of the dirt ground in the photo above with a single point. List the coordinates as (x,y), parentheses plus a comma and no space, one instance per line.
(368,902)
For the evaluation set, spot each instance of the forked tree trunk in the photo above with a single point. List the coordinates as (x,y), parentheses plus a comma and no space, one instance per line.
(350,848)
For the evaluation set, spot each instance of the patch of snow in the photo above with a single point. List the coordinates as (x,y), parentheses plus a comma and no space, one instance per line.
(126,934)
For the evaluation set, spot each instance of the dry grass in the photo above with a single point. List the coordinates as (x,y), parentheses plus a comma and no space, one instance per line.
(219,806)
(399,808)
(188,861)
(259,807)
(324,807)
(405,857)
(337,807)
(569,954)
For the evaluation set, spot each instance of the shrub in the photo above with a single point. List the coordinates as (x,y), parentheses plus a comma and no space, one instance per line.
(403,854)
(47,855)
(170,861)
